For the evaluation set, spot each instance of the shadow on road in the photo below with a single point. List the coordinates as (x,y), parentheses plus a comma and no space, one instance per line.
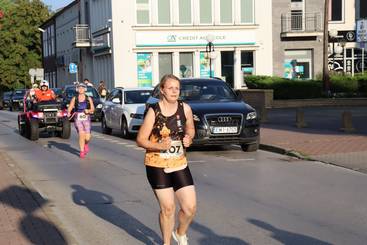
(63,147)
(108,211)
(286,237)
(210,238)
(35,229)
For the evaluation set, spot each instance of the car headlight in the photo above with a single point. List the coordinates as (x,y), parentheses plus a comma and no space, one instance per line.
(99,106)
(251,115)
(136,116)
(196,118)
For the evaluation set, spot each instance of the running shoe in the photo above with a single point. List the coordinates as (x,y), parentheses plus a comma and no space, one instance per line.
(181,240)
(86,149)
(82,154)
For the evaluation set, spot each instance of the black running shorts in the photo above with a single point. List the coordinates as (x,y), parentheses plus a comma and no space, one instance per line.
(158,179)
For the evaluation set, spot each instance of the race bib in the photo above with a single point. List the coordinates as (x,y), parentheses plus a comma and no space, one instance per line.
(82,116)
(175,151)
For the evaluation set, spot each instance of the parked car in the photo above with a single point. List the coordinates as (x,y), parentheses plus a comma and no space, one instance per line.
(16,100)
(123,110)
(70,91)
(220,116)
(5,100)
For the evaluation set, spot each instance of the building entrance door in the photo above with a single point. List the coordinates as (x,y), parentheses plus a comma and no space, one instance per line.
(227,58)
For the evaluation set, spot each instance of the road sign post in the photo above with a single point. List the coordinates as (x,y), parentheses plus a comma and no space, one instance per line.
(73,68)
(362,38)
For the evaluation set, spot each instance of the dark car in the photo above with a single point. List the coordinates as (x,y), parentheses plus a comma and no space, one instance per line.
(5,100)
(16,101)
(70,91)
(220,116)
(58,93)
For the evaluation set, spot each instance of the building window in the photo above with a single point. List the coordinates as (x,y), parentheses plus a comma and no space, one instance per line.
(205,12)
(184,11)
(164,12)
(186,65)
(336,10)
(298,64)
(142,12)
(362,9)
(226,11)
(247,62)
(165,64)
(247,11)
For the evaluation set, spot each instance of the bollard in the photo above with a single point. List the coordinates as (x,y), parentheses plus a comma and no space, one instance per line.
(263,115)
(300,119)
(347,125)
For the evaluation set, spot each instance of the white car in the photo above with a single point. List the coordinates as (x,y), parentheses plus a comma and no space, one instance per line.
(123,110)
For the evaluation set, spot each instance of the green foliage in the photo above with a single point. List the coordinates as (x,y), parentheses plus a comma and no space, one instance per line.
(341,86)
(20,41)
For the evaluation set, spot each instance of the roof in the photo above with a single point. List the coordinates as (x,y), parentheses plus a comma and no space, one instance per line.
(59,12)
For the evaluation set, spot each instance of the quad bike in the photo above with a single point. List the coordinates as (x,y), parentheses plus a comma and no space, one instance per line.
(47,116)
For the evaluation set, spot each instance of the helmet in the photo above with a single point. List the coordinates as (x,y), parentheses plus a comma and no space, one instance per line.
(44,83)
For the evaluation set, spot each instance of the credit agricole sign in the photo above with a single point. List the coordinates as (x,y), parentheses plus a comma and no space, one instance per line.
(186,38)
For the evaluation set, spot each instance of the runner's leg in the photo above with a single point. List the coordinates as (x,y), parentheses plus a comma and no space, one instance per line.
(166,199)
(187,199)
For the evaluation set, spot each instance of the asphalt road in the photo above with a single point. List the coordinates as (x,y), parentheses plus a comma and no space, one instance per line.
(243,198)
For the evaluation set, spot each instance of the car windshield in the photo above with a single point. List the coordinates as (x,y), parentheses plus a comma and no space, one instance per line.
(19,92)
(91,92)
(191,91)
(137,97)
(7,95)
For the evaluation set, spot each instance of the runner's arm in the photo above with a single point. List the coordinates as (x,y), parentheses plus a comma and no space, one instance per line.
(91,110)
(189,127)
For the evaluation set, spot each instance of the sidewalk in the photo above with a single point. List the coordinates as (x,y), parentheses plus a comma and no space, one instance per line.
(322,140)
(22,220)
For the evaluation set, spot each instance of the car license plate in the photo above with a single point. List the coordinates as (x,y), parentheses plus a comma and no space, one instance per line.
(224,130)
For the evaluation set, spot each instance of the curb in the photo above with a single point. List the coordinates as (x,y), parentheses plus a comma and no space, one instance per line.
(282,151)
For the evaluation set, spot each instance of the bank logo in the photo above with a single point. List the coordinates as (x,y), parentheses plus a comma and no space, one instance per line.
(171,38)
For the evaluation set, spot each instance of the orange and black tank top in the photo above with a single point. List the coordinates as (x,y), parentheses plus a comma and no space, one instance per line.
(173,127)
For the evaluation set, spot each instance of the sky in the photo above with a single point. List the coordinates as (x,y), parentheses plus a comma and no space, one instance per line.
(56,4)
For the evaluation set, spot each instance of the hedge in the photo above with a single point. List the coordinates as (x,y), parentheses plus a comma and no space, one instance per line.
(341,86)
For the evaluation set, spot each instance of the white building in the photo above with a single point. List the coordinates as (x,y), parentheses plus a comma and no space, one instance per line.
(134,43)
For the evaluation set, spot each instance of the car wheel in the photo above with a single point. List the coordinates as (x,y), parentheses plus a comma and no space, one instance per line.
(250,147)
(124,129)
(33,130)
(105,129)
(66,129)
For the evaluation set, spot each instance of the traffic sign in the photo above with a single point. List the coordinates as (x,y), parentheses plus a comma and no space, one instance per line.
(362,31)
(73,68)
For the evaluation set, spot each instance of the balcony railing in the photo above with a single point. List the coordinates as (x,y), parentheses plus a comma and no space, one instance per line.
(301,23)
(82,36)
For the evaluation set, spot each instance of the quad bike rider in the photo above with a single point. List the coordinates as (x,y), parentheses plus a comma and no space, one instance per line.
(41,113)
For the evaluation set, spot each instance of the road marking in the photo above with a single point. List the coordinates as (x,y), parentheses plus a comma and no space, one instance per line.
(139,149)
(130,146)
(240,159)
(197,161)
(122,143)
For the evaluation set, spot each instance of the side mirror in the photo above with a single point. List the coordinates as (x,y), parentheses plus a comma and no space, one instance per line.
(116,101)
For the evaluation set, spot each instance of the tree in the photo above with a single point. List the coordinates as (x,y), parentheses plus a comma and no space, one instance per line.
(20,42)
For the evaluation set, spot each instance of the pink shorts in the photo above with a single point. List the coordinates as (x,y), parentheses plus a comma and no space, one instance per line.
(82,125)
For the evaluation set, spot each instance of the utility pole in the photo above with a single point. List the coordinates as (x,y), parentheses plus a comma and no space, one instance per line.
(325,71)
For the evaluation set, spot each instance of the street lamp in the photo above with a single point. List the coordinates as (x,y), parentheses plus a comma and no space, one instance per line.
(209,49)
